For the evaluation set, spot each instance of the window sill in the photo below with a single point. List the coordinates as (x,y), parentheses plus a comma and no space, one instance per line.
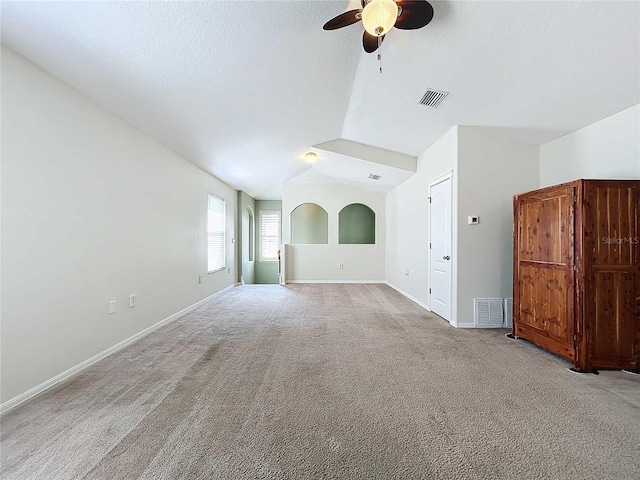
(216,270)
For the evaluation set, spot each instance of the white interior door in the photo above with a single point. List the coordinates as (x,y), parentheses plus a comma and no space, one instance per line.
(440,247)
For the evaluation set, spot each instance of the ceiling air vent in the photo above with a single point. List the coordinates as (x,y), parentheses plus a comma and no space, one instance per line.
(374,177)
(433,98)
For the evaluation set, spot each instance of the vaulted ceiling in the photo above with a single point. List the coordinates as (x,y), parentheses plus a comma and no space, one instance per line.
(244,88)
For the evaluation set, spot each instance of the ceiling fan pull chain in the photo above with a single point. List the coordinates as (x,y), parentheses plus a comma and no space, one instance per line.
(380,54)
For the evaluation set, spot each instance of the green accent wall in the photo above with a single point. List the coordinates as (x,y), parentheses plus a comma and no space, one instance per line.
(357,225)
(266,272)
(246,237)
(309,224)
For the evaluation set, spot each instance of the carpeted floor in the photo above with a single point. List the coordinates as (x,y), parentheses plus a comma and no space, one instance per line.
(326,382)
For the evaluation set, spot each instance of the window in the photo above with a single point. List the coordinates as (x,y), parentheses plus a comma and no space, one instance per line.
(216,234)
(269,235)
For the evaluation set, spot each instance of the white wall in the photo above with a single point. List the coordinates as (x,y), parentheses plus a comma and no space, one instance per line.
(609,148)
(491,169)
(92,211)
(488,169)
(320,262)
(408,220)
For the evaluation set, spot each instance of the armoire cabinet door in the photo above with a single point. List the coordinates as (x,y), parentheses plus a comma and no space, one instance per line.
(544,283)
(612,276)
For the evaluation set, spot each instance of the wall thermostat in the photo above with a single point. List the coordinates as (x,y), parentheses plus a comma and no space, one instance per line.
(473,219)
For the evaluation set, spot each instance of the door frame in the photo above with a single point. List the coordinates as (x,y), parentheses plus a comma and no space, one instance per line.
(437,180)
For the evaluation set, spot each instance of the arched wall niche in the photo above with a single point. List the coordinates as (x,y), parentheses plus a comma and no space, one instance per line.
(309,225)
(357,225)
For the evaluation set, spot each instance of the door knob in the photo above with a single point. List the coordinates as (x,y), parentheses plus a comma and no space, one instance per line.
(446,257)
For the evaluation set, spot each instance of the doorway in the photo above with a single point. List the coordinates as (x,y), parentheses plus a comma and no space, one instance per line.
(440,246)
(268,239)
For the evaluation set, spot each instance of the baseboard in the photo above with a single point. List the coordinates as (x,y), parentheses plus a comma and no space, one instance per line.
(337,281)
(61,377)
(413,299)
(464,325)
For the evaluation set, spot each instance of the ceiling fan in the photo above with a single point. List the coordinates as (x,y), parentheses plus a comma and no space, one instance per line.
(380,16)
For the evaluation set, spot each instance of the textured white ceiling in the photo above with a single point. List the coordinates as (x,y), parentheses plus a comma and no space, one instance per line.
(243,88)
(536,69)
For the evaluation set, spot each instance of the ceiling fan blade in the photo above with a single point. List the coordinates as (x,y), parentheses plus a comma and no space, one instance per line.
(370,42)
(343,20)
(415,14)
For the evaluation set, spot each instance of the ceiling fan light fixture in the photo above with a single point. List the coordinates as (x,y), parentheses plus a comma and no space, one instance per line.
(379,16)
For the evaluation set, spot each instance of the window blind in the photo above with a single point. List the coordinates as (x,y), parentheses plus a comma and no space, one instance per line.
(216,233)
(269,235)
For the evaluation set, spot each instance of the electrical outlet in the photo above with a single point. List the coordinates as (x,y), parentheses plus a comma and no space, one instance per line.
(341,266)
(229,270)
(199,278)
(132,300)
(112,307)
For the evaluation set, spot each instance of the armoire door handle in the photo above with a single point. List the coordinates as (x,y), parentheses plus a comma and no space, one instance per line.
(446,257)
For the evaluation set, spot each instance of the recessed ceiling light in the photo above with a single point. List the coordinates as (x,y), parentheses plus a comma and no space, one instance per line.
(310,157)
(374,177)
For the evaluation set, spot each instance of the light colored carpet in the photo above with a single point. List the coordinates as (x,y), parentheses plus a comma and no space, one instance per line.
(327,382)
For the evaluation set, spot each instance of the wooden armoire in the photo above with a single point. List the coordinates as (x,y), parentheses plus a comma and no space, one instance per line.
(576,276)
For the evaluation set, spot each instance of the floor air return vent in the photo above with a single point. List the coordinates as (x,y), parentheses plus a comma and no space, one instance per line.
(508,312)
(488,313)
